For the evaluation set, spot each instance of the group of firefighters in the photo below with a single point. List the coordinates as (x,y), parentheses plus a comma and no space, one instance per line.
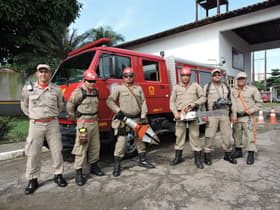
(43,101)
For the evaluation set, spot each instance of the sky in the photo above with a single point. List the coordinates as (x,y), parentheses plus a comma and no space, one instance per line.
(138,18)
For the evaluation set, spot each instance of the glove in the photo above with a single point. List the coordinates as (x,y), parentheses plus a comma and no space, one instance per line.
(120,115)
(142,121)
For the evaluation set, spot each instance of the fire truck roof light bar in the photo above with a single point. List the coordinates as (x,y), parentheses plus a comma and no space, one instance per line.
(96,43)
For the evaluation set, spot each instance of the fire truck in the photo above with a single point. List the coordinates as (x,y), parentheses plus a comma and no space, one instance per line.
(265,95)
(157,75)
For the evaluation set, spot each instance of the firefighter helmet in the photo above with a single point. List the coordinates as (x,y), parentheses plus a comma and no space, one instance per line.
(186,71)
(89,75)
(128,70)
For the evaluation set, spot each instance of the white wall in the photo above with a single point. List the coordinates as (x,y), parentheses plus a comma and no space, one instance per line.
(208,44)
(229,40)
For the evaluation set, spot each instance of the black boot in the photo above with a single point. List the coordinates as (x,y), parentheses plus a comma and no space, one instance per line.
(96,170)
(80,180)
(207,158)
(237,153)
(59,180)
(178,158)
(197,159)
(32,186)
(117,167)
(144,162)
(250,158)
(229,157)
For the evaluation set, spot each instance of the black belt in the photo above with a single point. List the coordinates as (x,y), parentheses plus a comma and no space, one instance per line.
(242,114)
(133,116)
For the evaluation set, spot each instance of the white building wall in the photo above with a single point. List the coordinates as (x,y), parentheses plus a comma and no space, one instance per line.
(211,43)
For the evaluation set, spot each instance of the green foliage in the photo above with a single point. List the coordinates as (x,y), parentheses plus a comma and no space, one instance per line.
(4,126)
(53,46)
(275,78)
(22,21)
(13,128)
(19,128)
(259,85)
(103,32)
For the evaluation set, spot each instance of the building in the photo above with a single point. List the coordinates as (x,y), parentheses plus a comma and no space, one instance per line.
(225,40)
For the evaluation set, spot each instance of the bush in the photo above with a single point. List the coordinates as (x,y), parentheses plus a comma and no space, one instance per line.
(13,129)
(5,126)
(19,129)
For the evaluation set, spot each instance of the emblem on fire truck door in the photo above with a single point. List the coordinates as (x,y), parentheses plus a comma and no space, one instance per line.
(151,90)
(63,90)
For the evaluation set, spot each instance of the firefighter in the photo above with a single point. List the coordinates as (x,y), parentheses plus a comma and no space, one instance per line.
(247,100)
(82,106)
(131,103)
(217,96)
(42,102)
(186,96)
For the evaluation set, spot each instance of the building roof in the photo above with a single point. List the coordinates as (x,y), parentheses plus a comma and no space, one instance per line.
(247,33)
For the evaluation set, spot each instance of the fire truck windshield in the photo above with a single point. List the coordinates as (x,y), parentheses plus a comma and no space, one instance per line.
(72,69)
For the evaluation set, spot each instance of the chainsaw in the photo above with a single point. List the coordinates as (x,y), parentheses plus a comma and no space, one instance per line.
(194,115)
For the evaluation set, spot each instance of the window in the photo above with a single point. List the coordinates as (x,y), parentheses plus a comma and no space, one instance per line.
(151,70)
(238,59)
(205,77)
(72,69)
(111,66)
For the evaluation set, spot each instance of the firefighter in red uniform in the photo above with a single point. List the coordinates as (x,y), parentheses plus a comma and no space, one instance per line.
(83,107)
(132,104)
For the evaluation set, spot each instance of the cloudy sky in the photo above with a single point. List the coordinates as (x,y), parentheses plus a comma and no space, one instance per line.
(137,18)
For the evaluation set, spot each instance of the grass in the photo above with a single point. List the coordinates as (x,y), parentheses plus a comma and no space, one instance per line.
(271,104)
(17,130)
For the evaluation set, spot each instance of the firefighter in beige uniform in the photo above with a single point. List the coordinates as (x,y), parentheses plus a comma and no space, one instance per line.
(217,96)
(132,104)
(185,97)
(247,100)
(83,107)
(42,102)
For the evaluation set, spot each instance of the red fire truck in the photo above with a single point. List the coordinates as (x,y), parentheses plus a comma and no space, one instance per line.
(156,75)
(265,95)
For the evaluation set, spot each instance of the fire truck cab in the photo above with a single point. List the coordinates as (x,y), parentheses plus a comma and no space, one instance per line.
(155,74)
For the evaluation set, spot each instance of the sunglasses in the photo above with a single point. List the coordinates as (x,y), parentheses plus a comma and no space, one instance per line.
(91,81)
(128,75)
(186,75)
(241,78)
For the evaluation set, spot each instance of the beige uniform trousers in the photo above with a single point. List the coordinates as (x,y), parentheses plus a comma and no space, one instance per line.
(89,151)
(38,131)
(193,135)
(238,129)
(122,142)
(213,124)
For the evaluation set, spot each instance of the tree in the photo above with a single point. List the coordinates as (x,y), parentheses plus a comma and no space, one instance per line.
(259,85)
(103,32)
(22,21)
(52,46)
(275,77)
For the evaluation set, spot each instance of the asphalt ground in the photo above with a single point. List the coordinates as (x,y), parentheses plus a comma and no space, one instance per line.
(220,186)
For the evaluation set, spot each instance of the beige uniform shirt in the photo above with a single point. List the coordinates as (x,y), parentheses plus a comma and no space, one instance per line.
(214,93)
(42,103)
(127,101)
(251,96)
(182,97)
(89,105)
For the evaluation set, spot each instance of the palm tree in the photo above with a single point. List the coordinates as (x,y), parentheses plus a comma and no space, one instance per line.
(103,32)
(52,46)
